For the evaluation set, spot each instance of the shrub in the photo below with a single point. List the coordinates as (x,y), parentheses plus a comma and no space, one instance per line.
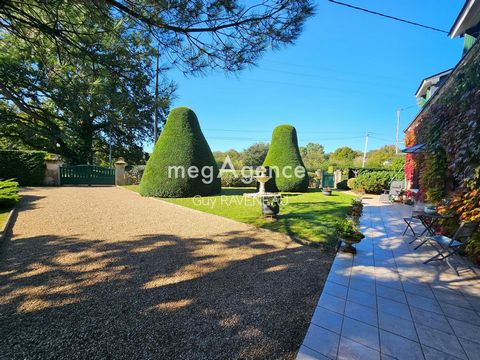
(26,167)
(134,175)
(232,179)
(373,182)
(342,185)
(181,146)
(313,181)
(8,194)
(351,183)
(284,152)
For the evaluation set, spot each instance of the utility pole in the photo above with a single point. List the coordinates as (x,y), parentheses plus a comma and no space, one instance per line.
(110,147)
(155,121)
(398,129)
(365,150)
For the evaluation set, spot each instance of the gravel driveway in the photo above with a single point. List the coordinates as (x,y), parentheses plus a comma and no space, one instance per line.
(101,273)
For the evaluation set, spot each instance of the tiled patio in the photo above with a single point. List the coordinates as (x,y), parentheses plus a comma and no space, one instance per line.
(385,304)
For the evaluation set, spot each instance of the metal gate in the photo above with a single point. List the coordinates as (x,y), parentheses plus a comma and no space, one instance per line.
(86,175)
(327,180)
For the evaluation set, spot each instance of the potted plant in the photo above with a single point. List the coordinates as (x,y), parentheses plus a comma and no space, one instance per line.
(355,210)
(348,233)
(327,191)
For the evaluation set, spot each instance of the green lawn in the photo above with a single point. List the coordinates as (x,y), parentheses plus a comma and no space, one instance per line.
(310,216)
(3,216)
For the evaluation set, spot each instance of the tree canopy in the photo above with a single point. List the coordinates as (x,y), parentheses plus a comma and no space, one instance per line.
(343,157)
(193,35)
(313,156)
(77,77)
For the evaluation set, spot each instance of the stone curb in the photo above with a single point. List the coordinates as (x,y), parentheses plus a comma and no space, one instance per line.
(8,223)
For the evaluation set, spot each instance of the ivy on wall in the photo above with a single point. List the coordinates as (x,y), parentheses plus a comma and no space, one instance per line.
(449,126)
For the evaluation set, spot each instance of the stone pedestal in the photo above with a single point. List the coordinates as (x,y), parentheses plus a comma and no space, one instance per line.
(319,175)
(120,165)
(337,177)
(52,171)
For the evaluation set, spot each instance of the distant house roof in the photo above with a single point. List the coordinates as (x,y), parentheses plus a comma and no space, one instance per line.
(468,18)
(429,81)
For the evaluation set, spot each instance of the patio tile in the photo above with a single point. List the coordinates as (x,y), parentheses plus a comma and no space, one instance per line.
(465,330)
(392,281)
(362,298)
(361,313)
(399,347)
(417,289)
(471,348)
(327,319)
(424,303)
(361,333)
(322,340)
(397,325)
(448,296)
(308,354)
(394,308)
(461,313)
(441,341)
(363,285)
(339,279)
(364,260)
(433,354)
(332,303)
(432,320)
(351,350)
(392,294)
(334,289)
(474,301)
(386,357)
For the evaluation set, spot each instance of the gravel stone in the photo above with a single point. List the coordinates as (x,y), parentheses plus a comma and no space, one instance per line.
(102,273)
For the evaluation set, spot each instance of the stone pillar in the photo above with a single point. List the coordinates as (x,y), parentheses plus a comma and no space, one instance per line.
(120,172)
(337,177)
(319,174)
(52,171)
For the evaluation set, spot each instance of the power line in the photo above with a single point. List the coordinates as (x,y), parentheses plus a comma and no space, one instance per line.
(298,131)
(389,16)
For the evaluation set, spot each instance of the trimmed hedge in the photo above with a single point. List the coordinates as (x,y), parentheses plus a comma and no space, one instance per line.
(181,145)
(26,167)
(351,183)
(373,182)
(8,194)
(284,152)
(232,179)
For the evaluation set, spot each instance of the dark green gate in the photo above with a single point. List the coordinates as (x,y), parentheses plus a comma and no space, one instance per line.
(327,180)
(86,175)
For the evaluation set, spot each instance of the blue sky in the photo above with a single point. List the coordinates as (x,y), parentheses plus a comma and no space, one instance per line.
(346,74)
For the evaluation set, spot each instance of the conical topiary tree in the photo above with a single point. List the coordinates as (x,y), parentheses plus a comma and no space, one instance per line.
(180,149)
(283,158)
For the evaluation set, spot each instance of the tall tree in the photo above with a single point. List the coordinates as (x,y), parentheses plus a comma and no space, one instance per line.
(343,157)
(195,35)
(76,76)
(76,106)
(254,155)
(313,156)
(383,157)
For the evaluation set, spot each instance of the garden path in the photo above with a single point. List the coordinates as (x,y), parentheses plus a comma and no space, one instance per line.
(384,303)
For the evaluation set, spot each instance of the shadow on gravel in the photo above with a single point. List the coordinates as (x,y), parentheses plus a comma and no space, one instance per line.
(158,296)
